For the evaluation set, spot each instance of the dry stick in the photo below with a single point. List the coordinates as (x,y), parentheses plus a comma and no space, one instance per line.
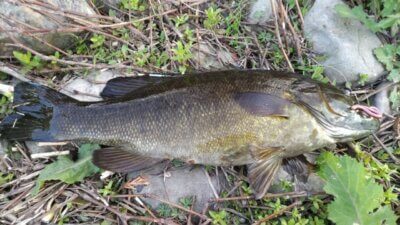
(286,194)
(88,65)
(389,85)
(89,198)
(395,159)
(300,14)
(276,214)
(49,154)
(277,33)
(282,22)
(210,183)
(295,36)
(11,72)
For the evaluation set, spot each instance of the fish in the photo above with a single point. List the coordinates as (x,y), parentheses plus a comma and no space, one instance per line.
(259,118)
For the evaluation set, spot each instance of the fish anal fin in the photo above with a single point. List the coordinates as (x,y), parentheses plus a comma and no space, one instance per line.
(262,104)
(117,159)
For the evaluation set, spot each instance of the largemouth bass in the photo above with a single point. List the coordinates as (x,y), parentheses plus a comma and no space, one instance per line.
(257,118)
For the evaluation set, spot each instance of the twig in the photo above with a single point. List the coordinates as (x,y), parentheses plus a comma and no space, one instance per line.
(278,36)
(211,184)
(51,143)
(300,14)
(11,72)
(49,154)
(395,159)
(277,195)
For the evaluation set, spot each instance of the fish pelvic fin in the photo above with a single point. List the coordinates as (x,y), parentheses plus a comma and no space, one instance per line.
(33,110)
(298,167)
(262,172)
(116,159)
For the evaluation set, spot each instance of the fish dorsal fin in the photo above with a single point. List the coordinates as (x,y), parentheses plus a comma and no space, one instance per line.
(262,104)
(121,86)
(119,160)
(261,173)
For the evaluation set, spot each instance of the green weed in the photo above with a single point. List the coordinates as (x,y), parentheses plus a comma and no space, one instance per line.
(213,18)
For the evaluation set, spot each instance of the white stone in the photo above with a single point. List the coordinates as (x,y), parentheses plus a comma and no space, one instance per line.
(261,11)
(346,43)
(209,58)
(89,88)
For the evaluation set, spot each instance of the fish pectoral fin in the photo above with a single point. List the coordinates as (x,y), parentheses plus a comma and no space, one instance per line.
(262,104)
(261,174)
(121,86)
(119,160)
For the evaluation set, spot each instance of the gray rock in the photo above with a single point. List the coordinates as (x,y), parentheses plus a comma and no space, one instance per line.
(189,181)
(381,99)
(89,88)
(207,57)
(261,11)
(179,183)
(346,43)
(15,16)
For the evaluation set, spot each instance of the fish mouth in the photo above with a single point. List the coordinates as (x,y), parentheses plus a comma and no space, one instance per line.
(343,133)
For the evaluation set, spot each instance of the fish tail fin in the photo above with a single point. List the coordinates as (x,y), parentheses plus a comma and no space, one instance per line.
(33,110)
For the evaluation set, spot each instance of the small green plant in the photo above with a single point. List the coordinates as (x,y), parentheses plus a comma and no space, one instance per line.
(219,218)
(5,177)
(133,5)
(182,19)
(97,40)
(141,56)
(213,18)
(186,202)
(5,104)
(107,190)
(390,16)
(318,74)
(389,55)
(363,79)
(182,54)
(358,199)
(28,61)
